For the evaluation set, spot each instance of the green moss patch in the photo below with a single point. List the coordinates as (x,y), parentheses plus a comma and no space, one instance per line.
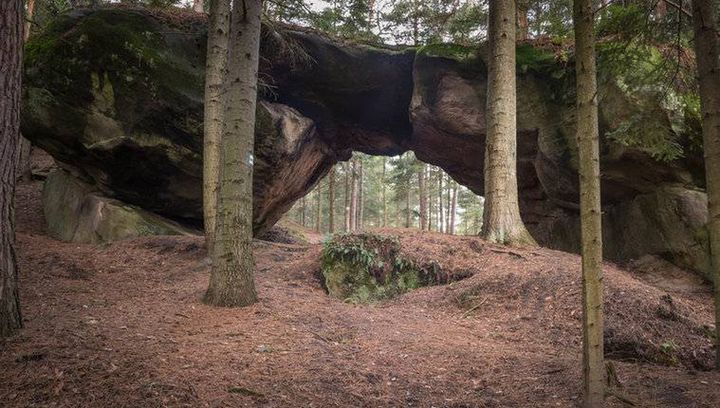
(365,267)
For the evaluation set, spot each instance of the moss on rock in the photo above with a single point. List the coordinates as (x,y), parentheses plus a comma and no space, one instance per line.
(366,267)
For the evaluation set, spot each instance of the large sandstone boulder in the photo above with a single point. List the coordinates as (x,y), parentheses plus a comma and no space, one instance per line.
(75,212)
(116,96)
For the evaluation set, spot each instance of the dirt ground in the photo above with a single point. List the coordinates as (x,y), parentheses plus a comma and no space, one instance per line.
(122,325)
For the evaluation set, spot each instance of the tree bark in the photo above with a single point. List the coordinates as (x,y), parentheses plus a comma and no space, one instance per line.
(318,208)
(231,279)
(217,57)
(453,207)
(331,201)
(448,228)
(522,20)
(361,198)
(353,196)
(590,211)
(198,6)
(303,205)
(707,50)
(502,222)
(384,194)
(407,207)
(422,193)
(441,209)
(347,196)
(11,47)
(24,166)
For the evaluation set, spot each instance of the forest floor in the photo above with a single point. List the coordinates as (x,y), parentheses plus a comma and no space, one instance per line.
(122,325)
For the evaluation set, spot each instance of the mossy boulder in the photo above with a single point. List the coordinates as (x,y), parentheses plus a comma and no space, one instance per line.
(75,212)
(368,267)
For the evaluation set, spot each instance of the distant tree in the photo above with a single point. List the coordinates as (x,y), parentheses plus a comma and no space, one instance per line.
(11,47)
(231,279)
(331,201)
(318,209)
(590,210)
(384,193)
(198,6)
(502,221)
(707,50)
(422,198)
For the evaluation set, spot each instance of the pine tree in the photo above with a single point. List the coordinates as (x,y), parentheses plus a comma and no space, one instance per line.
(502,221)
(707,50)
(590,211)
(231,279)
(217,56)
(331,201)
(11,47)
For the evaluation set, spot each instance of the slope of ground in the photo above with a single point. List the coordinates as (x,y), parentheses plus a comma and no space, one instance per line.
(122,325)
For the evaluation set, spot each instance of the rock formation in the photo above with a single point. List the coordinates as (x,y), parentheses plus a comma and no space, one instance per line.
(116,96)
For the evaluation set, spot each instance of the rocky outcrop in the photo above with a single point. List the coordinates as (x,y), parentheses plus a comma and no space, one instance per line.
(116,95)
(75,212)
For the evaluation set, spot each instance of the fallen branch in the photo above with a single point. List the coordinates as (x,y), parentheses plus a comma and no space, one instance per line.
(467,312)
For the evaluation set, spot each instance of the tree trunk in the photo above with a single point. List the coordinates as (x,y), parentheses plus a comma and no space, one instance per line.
(347,196)
(11,47)
(231,279)
(441,210)
(217,56)
(318,208)
(522,20)
(590,211)
(502,222)
(353,196)
(331,200)
(24,166)
(449,207)
(422,193)
(431,201)
(453,207)
(707,50)
(407,208)
(303,205)
(361,206)
(198,6)
(384,195)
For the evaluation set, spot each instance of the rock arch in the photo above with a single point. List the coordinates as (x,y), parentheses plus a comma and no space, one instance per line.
(116,97)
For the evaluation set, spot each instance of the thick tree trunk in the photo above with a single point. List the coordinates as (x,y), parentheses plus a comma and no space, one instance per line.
(11,47)
(422,193)
(331,200)
(231,280)
(707,49)
(590,211)
(502,222)
(217,56)
(198,6)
